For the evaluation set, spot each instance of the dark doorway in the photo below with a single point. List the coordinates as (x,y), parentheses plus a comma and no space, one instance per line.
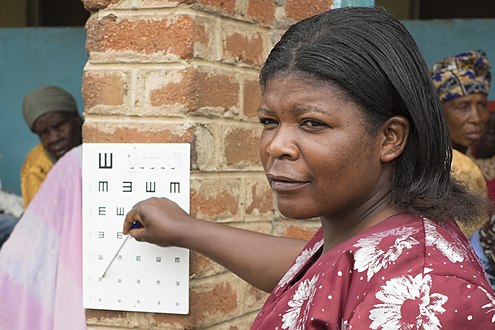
(457,9)
(56,13)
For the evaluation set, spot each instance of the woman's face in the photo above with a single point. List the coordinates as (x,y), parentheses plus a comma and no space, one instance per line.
(59,132)
(466,117)
(317,155)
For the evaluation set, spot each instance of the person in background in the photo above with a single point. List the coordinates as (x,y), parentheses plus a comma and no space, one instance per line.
(462,82)
(51,113)
(484,238)
(353,134)
(11,209)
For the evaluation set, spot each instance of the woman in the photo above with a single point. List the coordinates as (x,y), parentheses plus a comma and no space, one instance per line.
(353,133)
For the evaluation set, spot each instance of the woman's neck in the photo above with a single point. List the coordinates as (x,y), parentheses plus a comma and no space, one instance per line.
(459,148)
(336,231)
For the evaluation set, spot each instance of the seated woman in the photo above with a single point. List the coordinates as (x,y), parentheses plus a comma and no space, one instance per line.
(51,113)
(354,134)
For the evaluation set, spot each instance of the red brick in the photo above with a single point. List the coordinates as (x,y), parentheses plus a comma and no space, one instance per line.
(218,299)
(170,321)
(94,5)
(300,232)
(201,266)
(245,48)
(261,10)
(172,36)
(251,298)
(241,146)
(297,9)
(224,6)
(209,302)
(104,317)
(103,88)
(302,229)
(215,199)
(121,133)
(197,89)
(259,199)
(252,98)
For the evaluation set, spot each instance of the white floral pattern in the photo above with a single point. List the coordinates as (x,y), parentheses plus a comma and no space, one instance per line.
(371,258)
(399,291)
(296,316)
(300,261)
(424,276)
(453,250)
(490,305)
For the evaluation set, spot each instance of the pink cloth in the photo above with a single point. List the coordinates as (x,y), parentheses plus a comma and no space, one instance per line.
(406,272)
(41,262)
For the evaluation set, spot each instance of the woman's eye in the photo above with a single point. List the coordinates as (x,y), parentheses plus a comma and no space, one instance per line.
(313,123)
(268,122)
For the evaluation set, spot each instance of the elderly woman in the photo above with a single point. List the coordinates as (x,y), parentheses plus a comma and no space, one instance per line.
(51,113)
(354,134)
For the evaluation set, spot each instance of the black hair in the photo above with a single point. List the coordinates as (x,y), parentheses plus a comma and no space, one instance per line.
(371,56)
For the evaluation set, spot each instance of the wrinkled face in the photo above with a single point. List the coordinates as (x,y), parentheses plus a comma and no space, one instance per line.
(486,146)
(59,132)
(466,117)
(317,155)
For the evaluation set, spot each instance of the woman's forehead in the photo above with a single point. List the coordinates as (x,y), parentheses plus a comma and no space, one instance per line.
(49,117)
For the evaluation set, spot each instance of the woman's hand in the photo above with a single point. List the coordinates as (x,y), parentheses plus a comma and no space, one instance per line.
(163,222)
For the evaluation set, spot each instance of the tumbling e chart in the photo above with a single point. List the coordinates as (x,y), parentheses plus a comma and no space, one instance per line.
(143,277)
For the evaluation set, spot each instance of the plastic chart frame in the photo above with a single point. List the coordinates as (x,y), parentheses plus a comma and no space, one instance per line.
(143,277)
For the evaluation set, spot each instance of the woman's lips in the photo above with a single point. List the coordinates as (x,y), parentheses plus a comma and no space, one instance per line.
(474,136)
(285,184)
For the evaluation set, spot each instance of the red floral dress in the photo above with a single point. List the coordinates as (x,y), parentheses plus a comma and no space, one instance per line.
(406,272)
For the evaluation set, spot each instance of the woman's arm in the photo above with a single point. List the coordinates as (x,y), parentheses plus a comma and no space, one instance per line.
(259,259)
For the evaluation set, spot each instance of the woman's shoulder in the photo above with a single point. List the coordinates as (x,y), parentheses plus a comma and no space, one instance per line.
(37,160)
(406,244)
(412,261)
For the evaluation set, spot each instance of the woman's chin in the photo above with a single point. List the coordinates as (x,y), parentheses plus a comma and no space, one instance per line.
(296,214)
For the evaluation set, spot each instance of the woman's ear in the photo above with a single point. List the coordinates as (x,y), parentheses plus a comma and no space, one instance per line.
(394,133)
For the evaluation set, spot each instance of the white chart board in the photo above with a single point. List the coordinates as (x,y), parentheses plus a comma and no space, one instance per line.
(143,277)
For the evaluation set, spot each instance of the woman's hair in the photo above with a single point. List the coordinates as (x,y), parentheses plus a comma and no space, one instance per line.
(370,55)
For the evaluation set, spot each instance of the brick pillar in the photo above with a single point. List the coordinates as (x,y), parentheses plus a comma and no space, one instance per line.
(186,71)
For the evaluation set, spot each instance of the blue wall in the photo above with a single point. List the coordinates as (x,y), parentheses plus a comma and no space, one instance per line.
(29,58)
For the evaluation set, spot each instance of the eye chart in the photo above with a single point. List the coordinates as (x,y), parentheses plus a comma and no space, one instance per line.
(143,277)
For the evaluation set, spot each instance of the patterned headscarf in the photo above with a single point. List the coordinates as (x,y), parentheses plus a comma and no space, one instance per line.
(462,74)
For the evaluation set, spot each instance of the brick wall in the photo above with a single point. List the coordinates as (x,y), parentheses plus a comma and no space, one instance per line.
(186,71)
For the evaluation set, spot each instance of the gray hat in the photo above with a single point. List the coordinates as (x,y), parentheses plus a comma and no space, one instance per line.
(45,100)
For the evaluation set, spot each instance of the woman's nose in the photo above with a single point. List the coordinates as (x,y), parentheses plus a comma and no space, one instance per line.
(283,145)
(477,116)
(53,136)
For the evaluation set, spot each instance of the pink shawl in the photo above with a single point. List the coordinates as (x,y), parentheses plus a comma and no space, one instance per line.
(41,262)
